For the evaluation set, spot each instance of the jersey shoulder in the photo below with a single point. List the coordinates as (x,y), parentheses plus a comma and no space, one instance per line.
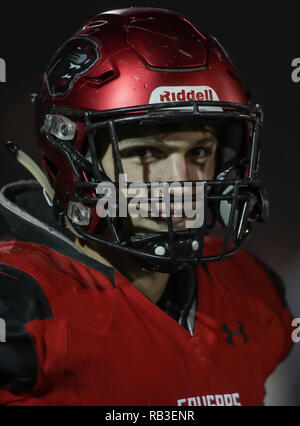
(47,264)
(250,276)
(265,283)
(256,287)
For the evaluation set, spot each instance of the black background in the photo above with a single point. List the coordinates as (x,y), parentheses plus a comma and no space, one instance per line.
(262,38)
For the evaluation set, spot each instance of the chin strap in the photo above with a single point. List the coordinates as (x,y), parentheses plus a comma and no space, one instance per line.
(19,155)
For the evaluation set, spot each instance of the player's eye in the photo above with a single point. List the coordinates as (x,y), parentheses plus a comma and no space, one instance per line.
(201,153)
(145,154)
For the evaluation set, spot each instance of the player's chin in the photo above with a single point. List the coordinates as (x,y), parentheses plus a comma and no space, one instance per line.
(146,225)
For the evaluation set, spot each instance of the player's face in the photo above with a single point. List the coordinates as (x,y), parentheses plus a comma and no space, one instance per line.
(184,154)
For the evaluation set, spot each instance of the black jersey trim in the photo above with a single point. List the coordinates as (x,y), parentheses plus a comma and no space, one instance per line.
(179,296)
(22,300)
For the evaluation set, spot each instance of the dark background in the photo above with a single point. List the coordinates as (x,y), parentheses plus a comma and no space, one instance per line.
(262,38)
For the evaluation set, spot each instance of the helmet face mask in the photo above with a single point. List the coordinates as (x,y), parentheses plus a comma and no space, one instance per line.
(71,139)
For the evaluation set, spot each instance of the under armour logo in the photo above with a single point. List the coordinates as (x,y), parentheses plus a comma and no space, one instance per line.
(236,332)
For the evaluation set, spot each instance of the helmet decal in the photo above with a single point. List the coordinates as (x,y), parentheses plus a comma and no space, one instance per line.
(75,57)
(183,93)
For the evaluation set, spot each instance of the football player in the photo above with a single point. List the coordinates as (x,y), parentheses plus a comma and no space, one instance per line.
(122,282)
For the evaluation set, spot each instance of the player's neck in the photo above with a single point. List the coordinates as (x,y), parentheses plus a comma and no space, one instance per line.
(151,284)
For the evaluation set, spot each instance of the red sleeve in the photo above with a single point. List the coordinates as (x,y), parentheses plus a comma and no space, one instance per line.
(274,315)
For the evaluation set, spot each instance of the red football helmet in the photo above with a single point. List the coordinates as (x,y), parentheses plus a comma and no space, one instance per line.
(145,66)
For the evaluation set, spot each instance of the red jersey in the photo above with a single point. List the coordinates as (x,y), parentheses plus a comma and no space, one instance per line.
(82,334)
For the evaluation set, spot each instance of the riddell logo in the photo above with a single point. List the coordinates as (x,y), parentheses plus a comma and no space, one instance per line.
(181,94)
(207,95)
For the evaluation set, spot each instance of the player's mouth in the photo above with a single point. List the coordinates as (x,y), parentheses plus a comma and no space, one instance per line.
(174,219)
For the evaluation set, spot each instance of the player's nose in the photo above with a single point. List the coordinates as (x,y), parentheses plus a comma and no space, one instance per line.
(175,168)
